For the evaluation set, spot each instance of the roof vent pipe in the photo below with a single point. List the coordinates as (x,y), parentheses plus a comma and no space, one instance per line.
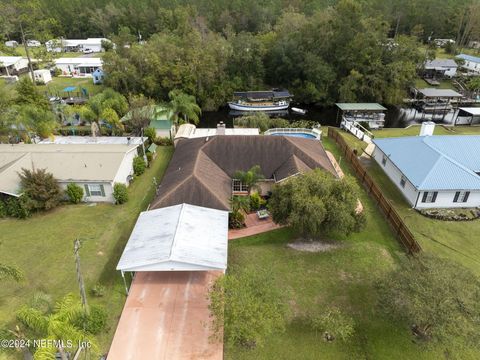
(221,128)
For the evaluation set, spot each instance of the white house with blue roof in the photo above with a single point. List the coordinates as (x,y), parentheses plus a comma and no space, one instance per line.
(433,171)
(470,63)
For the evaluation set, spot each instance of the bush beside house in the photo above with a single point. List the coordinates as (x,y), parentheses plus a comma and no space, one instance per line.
(74,193)
(139,165)
(120,193)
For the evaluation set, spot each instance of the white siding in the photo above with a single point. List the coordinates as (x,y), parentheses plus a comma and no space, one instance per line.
(451,72)
(107,187)
(444,199)
(126,168)
(472,66)
(409,191)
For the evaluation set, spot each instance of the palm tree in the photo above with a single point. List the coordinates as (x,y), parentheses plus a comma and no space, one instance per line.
(10,272)
(240,203)
(61,325)
(182,105)
(251,177)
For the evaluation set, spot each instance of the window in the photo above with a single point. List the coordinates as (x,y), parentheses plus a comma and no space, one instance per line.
(461,196)
(238,186)
(403,181)
(429,196)
(94,190)
(384,160)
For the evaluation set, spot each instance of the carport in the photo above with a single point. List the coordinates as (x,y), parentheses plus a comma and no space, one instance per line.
(175,252)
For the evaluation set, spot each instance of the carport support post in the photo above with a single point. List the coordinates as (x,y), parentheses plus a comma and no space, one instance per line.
(124,282)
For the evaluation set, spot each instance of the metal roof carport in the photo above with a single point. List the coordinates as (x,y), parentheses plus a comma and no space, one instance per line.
(176,252)
(471,112)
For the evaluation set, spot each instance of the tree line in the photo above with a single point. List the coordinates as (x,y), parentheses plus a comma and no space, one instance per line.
(322,51)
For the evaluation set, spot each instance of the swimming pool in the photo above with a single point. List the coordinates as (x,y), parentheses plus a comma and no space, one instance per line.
(301,135)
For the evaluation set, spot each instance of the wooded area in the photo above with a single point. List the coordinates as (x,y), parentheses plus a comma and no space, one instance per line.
(322,51)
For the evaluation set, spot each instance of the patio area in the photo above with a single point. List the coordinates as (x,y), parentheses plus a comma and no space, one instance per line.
(253,226)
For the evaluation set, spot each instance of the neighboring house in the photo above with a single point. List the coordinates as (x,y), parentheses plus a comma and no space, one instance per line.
(443,42)
(33,43)
(13,65)
(202,169)
(159,120)
(93,140)
(76,45)
(42,76)
(78,66)
(433,171)
(190,131)
(98,76)
(96,168)
(440,68)
(470,63)
(11,43)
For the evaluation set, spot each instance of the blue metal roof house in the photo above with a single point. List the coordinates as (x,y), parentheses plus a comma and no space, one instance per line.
(470,63)
(433,171)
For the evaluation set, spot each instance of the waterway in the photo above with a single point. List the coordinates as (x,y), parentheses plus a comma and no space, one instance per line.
(396,117)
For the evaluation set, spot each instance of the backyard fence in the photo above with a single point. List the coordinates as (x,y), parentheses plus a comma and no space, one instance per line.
(406,237)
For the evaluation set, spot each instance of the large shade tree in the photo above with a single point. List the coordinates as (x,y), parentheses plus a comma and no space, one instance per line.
(316,203)
(436,297)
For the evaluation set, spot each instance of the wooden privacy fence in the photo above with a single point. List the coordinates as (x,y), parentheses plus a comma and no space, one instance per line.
(396,222)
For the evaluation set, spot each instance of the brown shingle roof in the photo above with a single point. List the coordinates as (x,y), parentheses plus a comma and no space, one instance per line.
(201,169)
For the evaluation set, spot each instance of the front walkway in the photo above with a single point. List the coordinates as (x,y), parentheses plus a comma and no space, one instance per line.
(253,226)
(165,318)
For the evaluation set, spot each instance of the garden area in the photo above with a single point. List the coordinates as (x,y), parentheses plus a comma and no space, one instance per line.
(47,238)
(457,240)
(330,303)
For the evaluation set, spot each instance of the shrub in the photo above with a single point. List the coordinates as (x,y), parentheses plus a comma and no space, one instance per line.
(247,307)
(95,321)
(41,188)
(236,220)
(163,141)
(139,165)
(120,193)
(74,193)
(333,324)
(151,134)
(3,209)
(18,207)
(256,201)
(98,290)
(149,157)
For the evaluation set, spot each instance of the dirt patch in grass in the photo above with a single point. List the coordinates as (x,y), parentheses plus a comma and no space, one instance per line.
(313,246)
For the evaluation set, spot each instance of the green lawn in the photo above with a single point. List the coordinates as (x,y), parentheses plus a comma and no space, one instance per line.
(344,278)
(42,247)
(444,84)
(457,240)
(57,84)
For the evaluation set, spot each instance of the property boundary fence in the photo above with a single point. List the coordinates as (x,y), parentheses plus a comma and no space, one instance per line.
(394,219)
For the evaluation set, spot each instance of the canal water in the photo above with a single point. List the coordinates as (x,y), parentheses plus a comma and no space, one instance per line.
(396,117)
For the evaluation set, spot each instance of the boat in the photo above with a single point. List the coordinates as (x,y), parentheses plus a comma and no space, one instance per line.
(261,100)
(299,111)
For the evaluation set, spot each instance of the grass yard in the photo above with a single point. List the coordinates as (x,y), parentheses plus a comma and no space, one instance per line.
(344,278)
(57,85)
(42,247)
(444,84)
(456,240)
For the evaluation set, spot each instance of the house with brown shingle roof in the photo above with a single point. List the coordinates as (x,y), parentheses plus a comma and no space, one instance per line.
(201,170)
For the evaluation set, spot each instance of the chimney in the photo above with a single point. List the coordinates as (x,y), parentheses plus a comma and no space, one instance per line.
(221,128)
(427,129)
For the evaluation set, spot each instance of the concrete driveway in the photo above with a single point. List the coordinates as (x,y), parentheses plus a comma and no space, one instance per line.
(165,317)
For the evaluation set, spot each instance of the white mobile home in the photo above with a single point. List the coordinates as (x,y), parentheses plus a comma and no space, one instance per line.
(13,65)
(42,76)
(80,66)
(433,171)
(75,45)
(470,63)
(96,168)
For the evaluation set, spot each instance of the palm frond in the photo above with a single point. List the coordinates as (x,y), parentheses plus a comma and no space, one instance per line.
(33,319)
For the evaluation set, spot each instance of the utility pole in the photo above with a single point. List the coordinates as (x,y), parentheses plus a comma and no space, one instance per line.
(81,285)
(143,148)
